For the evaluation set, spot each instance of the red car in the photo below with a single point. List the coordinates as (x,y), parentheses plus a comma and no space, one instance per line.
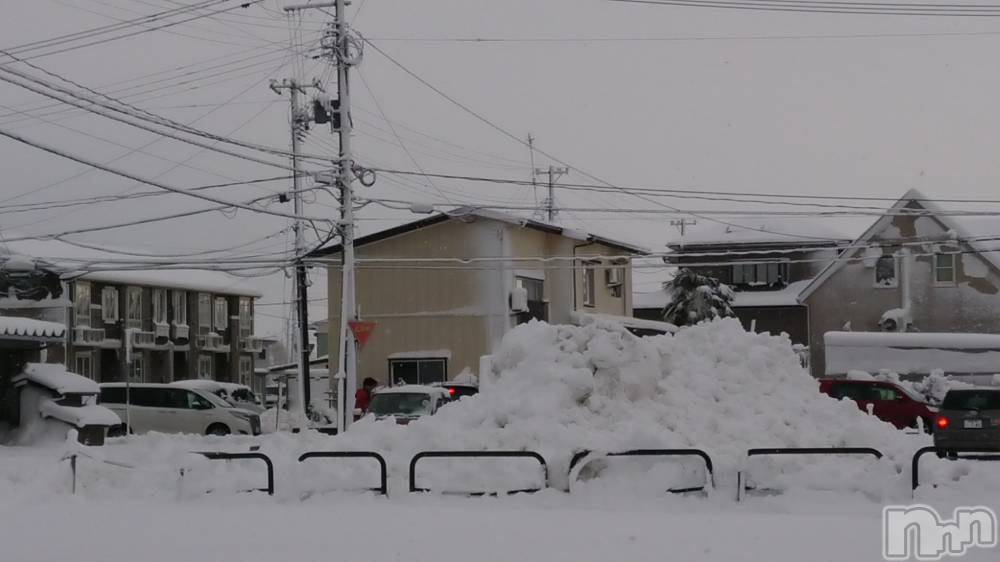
(889,402)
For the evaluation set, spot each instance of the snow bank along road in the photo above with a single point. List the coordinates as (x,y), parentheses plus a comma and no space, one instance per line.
(554,390)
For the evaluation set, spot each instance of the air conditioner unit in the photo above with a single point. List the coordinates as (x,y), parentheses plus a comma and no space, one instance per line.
(615,275)
(519,300)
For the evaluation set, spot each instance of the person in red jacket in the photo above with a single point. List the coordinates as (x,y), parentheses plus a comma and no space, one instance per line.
(364,394)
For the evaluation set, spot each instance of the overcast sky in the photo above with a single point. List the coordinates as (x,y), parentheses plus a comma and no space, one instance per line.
(713,100)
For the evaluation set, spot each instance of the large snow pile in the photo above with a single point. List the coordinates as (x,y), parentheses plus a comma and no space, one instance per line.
(560,389)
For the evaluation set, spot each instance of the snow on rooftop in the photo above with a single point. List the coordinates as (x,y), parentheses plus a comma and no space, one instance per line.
(13,326)
(912,352)
(771,231)
(422,354)
(787,296)
(70,258)
(57,378)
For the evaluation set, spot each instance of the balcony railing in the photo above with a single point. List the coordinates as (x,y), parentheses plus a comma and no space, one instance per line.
(253,344)
(85,335)
(212,342)
(143,339)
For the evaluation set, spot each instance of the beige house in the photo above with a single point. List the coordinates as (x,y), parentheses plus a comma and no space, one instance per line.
(445,289)
(918,268)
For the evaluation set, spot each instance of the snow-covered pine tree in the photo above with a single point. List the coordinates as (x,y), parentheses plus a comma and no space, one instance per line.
(694,297)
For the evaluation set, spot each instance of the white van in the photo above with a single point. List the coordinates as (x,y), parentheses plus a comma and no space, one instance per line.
(172,409)
(238,395)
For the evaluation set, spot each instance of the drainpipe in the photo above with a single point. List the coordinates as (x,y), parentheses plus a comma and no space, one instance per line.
(905,291)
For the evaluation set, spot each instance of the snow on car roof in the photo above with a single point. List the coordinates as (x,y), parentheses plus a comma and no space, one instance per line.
(57,378)
(413,389)
(203,384)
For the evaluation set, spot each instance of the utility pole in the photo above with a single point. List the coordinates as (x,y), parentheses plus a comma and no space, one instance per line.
(346,51)
(682,224)
(299,124)
(554,174)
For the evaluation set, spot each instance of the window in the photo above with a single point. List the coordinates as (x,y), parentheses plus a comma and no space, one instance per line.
(204,313)
(246,370)
(180,308)
(537,307)
(418,371)
(944,269)
(109,305)
(112,395)
(160,306)
(246,319)
(881,394)
(760,274)
(82,365)
(886,274)
(133,307)
(221,313)
(589,284)
(204,367)
(81,303)
(138,371)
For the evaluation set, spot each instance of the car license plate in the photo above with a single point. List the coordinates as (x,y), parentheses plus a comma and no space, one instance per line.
(973,424)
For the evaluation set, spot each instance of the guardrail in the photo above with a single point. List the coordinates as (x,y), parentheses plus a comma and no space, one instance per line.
(383,487)
(479,454)
(709,469)
(212,455)
(742,488)
(944,451)
(73,469)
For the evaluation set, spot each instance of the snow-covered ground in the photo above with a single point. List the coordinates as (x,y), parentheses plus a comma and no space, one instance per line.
(555,390)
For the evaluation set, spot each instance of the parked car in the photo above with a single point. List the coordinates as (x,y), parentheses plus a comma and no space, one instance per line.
(969,418)
(458,389)
(238,395)
(169,408)
(889,402)
(408,402)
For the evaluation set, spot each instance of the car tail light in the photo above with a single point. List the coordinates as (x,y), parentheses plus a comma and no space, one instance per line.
(451,391)
(942,422)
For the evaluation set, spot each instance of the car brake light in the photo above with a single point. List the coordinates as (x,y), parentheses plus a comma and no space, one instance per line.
(451,391)
(942,422)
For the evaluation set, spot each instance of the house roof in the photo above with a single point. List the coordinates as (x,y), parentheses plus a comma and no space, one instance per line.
(774,232)
(966,231)
(71,260)
(490,215)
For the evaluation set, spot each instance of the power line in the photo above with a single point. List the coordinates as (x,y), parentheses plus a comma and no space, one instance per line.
(133,177)
(831,7)
(126,35)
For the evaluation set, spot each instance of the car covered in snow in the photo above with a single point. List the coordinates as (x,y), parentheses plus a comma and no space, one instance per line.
(969,418)
(169,408)
(48,393)
(888,401)
(407,402)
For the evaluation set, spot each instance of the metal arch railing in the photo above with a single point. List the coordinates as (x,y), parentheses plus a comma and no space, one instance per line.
(742,488)
(214,455)
(992,454)
(709,467)
(383,487)
(479,454)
